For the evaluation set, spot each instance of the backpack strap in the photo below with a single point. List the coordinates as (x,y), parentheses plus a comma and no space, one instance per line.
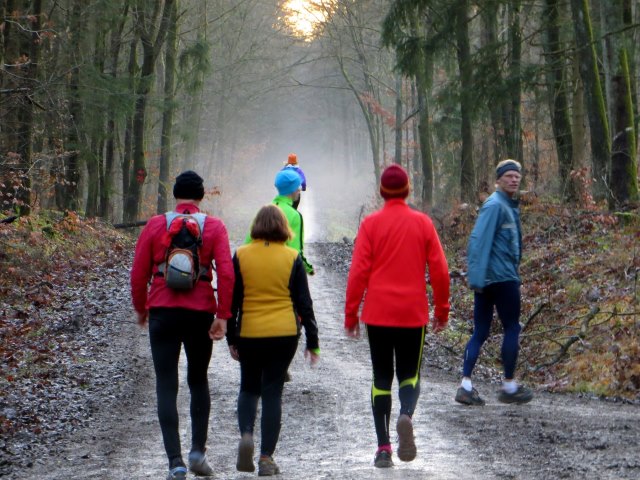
(198,217)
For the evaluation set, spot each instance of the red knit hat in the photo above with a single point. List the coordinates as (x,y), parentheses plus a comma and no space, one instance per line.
(293,159)
(394,182)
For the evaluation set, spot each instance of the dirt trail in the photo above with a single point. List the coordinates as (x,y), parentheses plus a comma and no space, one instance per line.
(327,426)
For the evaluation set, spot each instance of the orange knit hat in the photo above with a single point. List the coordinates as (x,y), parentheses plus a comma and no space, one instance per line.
(293,159)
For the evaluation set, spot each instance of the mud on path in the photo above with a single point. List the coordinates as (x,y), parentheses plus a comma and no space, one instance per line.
(327,429)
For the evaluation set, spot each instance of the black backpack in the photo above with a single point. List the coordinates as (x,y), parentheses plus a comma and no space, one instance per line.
(182,268)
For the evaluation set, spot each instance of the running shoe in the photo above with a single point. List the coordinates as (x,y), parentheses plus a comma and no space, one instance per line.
(467,397)
(267,467)
(198,464)
(177,473)
(520,396)
(245,454)
(406,441)
(383,458)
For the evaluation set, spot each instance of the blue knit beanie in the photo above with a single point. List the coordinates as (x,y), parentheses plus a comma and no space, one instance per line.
(287,181)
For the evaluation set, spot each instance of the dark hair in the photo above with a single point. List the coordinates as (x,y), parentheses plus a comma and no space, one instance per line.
(271,225)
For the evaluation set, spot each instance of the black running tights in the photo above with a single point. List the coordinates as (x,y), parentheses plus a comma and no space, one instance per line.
(263,366)
(406,345)
(169,329)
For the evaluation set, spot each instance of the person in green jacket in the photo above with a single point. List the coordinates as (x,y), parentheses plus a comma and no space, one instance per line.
(288,182)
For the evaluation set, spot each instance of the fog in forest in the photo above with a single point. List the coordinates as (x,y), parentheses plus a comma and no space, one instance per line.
(297,104)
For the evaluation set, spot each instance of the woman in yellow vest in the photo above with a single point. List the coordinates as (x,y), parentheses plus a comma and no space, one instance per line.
(271,301)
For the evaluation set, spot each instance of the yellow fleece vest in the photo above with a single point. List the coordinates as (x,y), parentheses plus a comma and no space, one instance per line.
(267,308)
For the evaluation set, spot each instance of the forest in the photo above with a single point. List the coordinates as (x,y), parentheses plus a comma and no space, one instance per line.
(103,102)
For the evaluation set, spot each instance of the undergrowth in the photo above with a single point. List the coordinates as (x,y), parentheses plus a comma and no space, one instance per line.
(42,257)
(581,300)
(580,291)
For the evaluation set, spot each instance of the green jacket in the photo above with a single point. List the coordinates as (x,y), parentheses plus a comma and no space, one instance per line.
(296,224)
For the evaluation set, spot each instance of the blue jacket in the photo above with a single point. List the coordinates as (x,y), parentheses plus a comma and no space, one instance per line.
(495,245)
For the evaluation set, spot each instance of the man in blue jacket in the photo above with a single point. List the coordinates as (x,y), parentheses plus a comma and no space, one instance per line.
(493,255)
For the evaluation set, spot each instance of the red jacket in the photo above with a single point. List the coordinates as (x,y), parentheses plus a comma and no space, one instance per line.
(150,253)
(393,248)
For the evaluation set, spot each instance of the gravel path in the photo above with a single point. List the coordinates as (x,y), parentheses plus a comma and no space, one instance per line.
(109,429)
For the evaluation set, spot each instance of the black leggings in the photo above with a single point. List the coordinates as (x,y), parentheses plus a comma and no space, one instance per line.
(406,344)
(263,365)
(169,329)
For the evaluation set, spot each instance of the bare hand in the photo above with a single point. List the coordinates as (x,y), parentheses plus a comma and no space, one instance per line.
(218,329)
(439,326)
(353,332)
(312,357)
(143,318)
(233,350)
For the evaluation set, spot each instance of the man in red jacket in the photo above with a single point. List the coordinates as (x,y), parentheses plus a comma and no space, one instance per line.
(393,249)
(189,317)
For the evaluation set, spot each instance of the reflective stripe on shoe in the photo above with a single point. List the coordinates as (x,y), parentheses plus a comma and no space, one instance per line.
(178,473)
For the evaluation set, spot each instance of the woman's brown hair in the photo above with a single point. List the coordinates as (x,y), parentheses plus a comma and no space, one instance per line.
(271,225)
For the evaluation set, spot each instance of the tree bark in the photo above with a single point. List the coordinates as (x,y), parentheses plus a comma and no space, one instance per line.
(398,124)
(515,90)
(598,125)
(489,40)
(26,113)
(132,66)
(152,42)
(467,170)
(167,115)
(72,171)
(115,46)
(423,86)
(624,170)
(558,101)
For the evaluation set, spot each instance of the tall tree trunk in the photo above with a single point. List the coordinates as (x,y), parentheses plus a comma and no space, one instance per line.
(115,45)
(489,40)
(128,127)
(151,44)
(467,170)
(3,15)
(167,115)
(598,125)
(398,125)
(72,170)
(26,113)
(623,183)
(369,118)
(424,74)
(557,96)
(515,89)
(93,157)
(95,126)
(578,129)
